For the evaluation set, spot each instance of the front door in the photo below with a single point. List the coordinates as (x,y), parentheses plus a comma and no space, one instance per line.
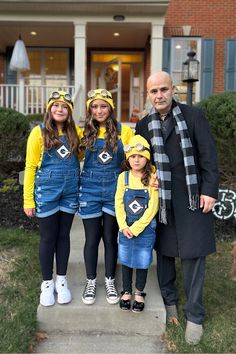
(123,77)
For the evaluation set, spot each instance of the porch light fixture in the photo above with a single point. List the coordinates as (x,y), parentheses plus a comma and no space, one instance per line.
(33,33)
(116,34)
(119,18)
(190,74)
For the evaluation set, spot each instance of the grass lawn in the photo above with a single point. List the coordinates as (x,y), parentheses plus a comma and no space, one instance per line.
(19,289)
(220,302)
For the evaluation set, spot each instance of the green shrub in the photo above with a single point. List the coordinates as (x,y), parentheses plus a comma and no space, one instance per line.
(220,110)
(35,119)
(14,130)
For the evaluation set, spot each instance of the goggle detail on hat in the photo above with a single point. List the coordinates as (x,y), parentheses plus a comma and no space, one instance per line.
(57,94)
(138,147)
(102,93)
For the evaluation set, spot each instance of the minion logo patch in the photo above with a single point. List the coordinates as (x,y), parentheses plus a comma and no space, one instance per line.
(135,207)
(104,157)
(63,152)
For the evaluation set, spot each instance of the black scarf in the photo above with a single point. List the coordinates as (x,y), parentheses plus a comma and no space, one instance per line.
(161,161)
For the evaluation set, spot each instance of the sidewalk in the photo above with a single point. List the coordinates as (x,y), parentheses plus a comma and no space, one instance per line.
(101,327)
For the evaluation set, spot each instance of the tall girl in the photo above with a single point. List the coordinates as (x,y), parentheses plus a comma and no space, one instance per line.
(102,142)
(51,187)
(136,204)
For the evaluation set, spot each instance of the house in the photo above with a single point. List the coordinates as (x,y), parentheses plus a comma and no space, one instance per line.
(83,44)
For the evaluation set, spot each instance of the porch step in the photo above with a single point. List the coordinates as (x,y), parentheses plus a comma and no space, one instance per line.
(101,320)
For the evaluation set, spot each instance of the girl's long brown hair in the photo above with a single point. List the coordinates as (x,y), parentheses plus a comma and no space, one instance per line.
(91,129)
(51,136)
(147,171)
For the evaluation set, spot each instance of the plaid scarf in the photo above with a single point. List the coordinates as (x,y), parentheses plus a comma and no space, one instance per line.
(162,162)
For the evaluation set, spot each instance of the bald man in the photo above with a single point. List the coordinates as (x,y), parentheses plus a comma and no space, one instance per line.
(184,154)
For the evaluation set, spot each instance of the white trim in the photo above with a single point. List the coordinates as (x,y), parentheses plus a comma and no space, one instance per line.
(156,47)
(198,57)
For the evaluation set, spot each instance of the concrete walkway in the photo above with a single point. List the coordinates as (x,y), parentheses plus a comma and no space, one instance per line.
(101,327)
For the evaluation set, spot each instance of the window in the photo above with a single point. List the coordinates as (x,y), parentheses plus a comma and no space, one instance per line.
(47,67)
(179,49)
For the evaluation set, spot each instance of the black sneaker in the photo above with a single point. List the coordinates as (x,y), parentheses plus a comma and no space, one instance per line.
(111,292)
(89,294)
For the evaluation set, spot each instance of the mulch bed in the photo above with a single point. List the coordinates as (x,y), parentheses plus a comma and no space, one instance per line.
(12,213)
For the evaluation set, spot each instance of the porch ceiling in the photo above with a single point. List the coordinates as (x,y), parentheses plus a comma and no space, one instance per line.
(99,35)
(54,22)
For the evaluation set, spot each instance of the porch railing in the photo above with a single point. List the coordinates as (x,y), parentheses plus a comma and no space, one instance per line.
(29,99)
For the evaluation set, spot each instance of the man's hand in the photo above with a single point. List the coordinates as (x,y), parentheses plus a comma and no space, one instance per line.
(206,203)
(153,181)
(127,233)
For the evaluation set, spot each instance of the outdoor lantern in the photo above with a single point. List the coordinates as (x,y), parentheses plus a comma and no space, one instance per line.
(190,68)
(190,74)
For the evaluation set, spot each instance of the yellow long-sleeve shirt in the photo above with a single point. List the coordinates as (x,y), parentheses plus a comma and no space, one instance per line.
(134,183)
(34,154)
(126,133)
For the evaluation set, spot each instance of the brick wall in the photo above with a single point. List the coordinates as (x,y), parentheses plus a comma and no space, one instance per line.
(214,19)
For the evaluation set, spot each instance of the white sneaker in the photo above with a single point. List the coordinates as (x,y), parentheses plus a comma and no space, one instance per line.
(193,333)
(47,297)
(63,293)
(89,294)
(111,292)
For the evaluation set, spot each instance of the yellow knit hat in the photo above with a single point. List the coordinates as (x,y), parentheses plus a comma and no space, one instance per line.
(60,96)
(137,146)
(100,94)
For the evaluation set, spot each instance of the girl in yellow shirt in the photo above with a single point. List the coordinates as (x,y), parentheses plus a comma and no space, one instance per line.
(103,142)
(136,204)
(51,187)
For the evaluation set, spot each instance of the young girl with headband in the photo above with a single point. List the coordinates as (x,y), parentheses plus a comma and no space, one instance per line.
(51,187)
(136,204)
(103,141)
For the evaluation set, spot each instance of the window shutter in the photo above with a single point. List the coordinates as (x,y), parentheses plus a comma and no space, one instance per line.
(230,65)
(207,81)
(166,55)
(11,76)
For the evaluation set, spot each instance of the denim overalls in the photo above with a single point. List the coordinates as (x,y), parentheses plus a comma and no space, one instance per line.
(57,181)
(137,251)
(98,180)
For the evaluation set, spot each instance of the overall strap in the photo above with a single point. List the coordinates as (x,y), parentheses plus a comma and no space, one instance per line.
(126,178)
(119,128)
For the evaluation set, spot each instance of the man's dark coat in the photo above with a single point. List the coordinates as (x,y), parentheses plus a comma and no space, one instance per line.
(189,234)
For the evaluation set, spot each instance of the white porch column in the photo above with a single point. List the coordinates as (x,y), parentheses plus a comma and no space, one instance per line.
(80,70)
(156,47)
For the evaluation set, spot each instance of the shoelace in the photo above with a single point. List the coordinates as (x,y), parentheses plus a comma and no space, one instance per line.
(90,287)
(110,287)
(48,285)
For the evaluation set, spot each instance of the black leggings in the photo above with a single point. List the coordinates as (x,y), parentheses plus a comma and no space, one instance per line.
(104,227)
(141,278)
(54,238)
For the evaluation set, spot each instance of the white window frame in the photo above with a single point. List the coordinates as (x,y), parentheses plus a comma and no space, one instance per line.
(41,78)
(177,40)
